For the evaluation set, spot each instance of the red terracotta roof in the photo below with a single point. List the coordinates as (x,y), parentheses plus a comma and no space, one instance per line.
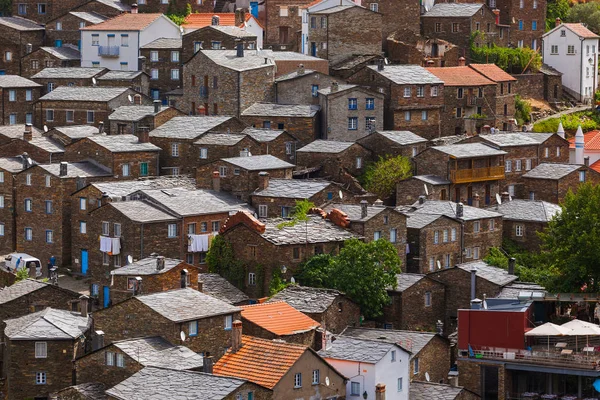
(279,318)
(581,30)
(591,140)
(200,20)
(248,16)
(460,76)
(493,72)
(125,22)
(596,166)
(261,361)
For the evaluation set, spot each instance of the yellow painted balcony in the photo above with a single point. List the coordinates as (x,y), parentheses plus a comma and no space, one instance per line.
(477,174)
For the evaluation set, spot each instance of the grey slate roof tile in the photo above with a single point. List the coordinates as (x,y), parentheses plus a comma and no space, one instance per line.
(293,75)
(189,127)
(141,211)
(11,164)
(527,210)
(182,305)
(48,144)
(552,171)
(289,56)
(116,4)
(307,299)
(517,138)
(19,289)
(361,350)
(158,352)
(292,188)
(448,208)
(68,73)
(258,163)
(16,131)
(429,390)
(77,131)
(153,383)
(89,16)
(89,391)
(82,93)
(16,81)
(217,286)
(403,138)
(50,324)
(354,211)
(233,31)
(325,146)
(469,150)
(119,189)
(116,75)
(220,139)
(488,272)
(122,143)
(433,179)
(229,59)
(341,88)
(145,266)
(63,53)
(406,280)
(335,9)
(163,43)
(409,340)
(133,113)
(281,110)
(20,24)
(262,135)
(419,221)
(453,10)
(407,74)
(82,169)
(513,290)
(315,230)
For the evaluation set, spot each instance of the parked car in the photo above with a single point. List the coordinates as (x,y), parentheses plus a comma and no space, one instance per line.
(18,261)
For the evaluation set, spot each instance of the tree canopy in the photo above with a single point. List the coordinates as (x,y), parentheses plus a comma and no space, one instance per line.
(586,13)
(556,9)
(381,177)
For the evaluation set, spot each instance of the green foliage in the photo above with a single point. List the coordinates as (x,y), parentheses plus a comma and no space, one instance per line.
(556,9)
(513,60)
(522,110)
(364,271)
(477,116)
(381,177)
(529,266)
(177,16)
(5,7)
(586,13)
(22,274)
(277,284)
(589,120)
(221,260)
(299,213)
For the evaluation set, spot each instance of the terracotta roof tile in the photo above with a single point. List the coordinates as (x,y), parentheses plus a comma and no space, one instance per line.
(580,30)
(279,318)
(591,140)
(200,20)
(260,361)
(596,166)
(493,72)
(460,76)
(125,22)
(250,16)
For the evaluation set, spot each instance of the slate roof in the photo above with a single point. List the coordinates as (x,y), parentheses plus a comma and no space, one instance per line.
(11,164)
(122,143)
(50,324)
(406,280)
(16,131)
(433,179)
(160,383)
(233,31)
(145,266)
(493,72)
(551,171)
(258,163)
(462,75)
(77,131)
(360,350)
(19,289)
(354,211)
(220,139)
(88,16)
(82,169)
(315,230)
(229,59)
(281,110)
(403,138)
(189,127)
(88,391)
(448,208)
(261,361)
(407,74)
(20,24)
(262,135)
(325,146)
(289,56)
(469,150)
(163,43)
(409,340)
(428,390)
(141,211)
(510,139)
(453,10)
(513,290)
(47,144)
(116,4)
(279,318)
(158,352)
(133,113)
(335,9)
(68,73)
(185,202)
(182,305)
(488,272)
(119,75)
(419,221)
(307,299)
(126,22)
(292,188)
(527,210)
(217,286)
(63,53)
(16,81)
(341,88)
(119,189)
(294,75)
(82,93)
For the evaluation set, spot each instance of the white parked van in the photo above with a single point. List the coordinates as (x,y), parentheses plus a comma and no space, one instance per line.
(18,261)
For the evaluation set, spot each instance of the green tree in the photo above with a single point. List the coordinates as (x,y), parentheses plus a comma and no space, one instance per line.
(221,260)
(299,213)
(381,177)
(277,283)
(316,271)
(510,59)
(556,9)
(522,110)
(22,274)
(586,13)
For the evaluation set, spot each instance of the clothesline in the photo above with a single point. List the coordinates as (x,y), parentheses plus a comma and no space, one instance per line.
(200,243)
(111,246)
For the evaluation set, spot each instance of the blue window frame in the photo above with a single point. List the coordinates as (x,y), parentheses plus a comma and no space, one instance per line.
(329,196)
(520,24)
(315,90)
(193,328)
(352,123)
(534,25)
(352,104)
(370,104)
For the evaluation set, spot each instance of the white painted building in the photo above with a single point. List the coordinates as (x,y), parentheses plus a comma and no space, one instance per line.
(318,6)
(573,50)
(368,363)
(115,44)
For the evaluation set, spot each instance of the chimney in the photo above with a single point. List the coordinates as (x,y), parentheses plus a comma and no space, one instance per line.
(64,166)
(240,16)
(201,110)
(157,105)
(236,336)
(334,86)
(160,263)
(84,304)
(473,282)
(421,199)
(579,146)
(216,181)
(100,127)
(439,327)
(28,134)
(486,129)
(97,340)
(461,62)
(380,391)
(207,366)
(25,159)
(476,304)
(200,286)
(104,199)
(557,22)
(511,265)
(239,47)
(560,131)
(380,66)
(476,200)
(134,8)
(504,196)
(378,203)
(453,378)
(141,63)
(28,48)
(497,14)
(263,180)
(459,210)
(144,134)
(137,288)
(586,161)
(301,69)
(364,208)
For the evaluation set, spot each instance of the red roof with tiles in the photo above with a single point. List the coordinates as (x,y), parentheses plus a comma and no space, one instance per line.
(125,22)
(596,166)
(279,318)
(591,140)
(581,30)
(460,76)
(200,20)
(493,72)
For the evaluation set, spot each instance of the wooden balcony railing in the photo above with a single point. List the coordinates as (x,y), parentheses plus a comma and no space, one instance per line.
(477,174)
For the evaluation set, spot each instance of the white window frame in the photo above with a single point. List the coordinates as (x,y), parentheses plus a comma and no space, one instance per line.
(297,380)
(174,149)
(172,230)
(203,153)
(40,378)
(262,211)
(41,350)
(316,377)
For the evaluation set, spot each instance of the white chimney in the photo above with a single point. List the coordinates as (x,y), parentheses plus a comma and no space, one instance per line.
(579,145)
(560,131)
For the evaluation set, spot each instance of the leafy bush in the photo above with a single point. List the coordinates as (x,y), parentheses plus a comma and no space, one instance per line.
(22,274)
(586,13)
(589,120)
(556,9)
(381,177)
(513,60)
(522,110)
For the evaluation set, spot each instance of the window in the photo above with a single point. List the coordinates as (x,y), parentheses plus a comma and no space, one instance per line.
(358,162)
(546,152)
(393,235)
(203,226)
(40,378)
(521,25)
(424,115)
(110,358)
(82,227)
(172,230)
(154,74)
(517,165)
(460,93)
(1,176)
(42,8)
(12,94)
(370,124)
(415,150)
(570,49)
(455,27)
(511,190)
(1,201)
(105,228)
(527,164)
(124,40)
(316,377)
(314,90)
(228,322)
(376,235)
(41,350)
(431,264)
(420,91)
(370,104)
(49,115)
(154,56)
(22,9)
(476,227)
(70,116)
(193,328)
(453,235)
(323,22)
(95,40)
(216,225)
(491,225)
(476,253)
(468,253)
(535,4)
(436,237)
(144,169)
(557,151)
(521,3)
(12,119)
(407,115)
(534,25)
(427,299)
(216,45)
(252,279)
(438,27)
(352,104)
(197,48)
(288,148)
(262,211)
(581,176)
(458,112)
(554,49)
(117,230)
(29,234)
(447,261)
(174,149)
(416,365)
(29,118)
(90,117)
(407,91)
(48,206)
(222,171)
(313,22)
(477,26)
(508,166)
(125,169)
(49,236)
(434,91)
(174,56)
(393,355)
(352,123)
(298,380)
(355,388)
(374,7)
(175,74)
(399,384)
(283,11)
(120,360)
(445,236)
(28,205)
(81,24)
(203,153)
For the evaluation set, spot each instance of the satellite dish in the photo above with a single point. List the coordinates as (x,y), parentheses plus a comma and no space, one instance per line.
(498,199)
(439,264)
(426,190)
(485,307)
(341,195)
(327,380)
(182,336)
(130,98)
(427,377)
(509,197)
(46,128)
(94,81)
(292,280)
(129,259)
(386,61)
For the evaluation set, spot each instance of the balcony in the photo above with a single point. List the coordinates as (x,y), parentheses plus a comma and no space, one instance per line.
(477,174)
(108,51)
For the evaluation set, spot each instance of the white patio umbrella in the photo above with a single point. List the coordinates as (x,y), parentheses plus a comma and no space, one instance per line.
(548,329)
(578,327)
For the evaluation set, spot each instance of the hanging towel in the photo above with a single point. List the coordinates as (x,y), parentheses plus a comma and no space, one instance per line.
(116,246)
(203,243)
(105,244)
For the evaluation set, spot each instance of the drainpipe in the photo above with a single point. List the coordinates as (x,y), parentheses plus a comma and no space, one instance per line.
(581,71)
(239,94)
(141,240)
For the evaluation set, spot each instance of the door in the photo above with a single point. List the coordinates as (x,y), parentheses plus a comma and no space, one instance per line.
(254,9)
(470,195)
(313,49)
(487,194)
(106,296)
(84,262)
(58,43)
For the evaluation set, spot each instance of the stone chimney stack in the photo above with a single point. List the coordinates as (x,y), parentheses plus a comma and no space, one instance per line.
(504,196)
(28,134)
(216,181)
(207,366)
(236,336)
(263,180)
(586,161)
(334,86)
(461,62)
(157,104)
(160,263)
(511,265)
(144,134)
(473,283)
(301,69)
(83,302)
(380,391)
(364,208)
(100,127)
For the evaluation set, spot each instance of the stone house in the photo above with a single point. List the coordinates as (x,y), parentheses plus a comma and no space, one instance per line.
(39,148)
(9,167)
(393,143)
(333,157)
(43,12)
(83,391)
(550,182)
(432,390)
(43,208)
(278,143)
(52,77)
(523,219)
(217,286)
(136,80)
(469,100)
(9,133)
(525,21)
(279,320)
(349,112)
(241,176)
(66,56)
(289,370)
(283,22)
(243,17)
(216,37)
(152,381)
(338,31)
(277,197)
(18,98)
(406,47)
(226,82)
(396,14)
(126,156)
(302,86)
(289,61)
(163,64)
(108,8)
(430,352)
(300,120)
(65,28)
(505,93)
(112,364)
(82,105)
(215,146)
(176,138)
(266,249)
(417,303)
(18,37)
(414,97)
(329,307)
(409,190)
(138,120)
(205,320)
(37,348)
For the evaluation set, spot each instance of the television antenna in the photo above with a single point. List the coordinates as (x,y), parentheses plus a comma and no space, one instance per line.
(386,61)
(129,259)
(341,195)
(130,98)
(94,81)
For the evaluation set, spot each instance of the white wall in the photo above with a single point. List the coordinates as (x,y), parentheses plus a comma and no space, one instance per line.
(356,372)
(253,27)
(593,155)
(163,27)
